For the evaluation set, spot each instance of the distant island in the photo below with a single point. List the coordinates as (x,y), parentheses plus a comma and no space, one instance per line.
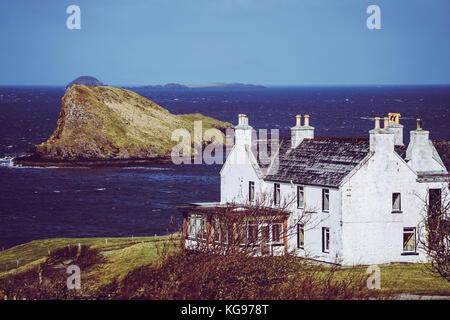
(101,125)
(92,81)
(215,85)
(87,81)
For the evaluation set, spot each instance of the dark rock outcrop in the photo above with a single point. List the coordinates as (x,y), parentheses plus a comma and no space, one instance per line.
(86,80)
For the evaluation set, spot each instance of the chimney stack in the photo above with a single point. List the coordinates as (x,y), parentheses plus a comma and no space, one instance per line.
(243,120)
(421,155)
(381,139)
(243,132)
(396,127)
(299,132)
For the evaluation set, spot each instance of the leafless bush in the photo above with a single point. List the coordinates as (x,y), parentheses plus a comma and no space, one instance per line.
(48,279)
(204,276)
(253,228)
(226,260)
(435,231)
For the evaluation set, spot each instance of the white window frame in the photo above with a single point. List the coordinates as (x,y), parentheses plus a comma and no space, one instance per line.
(252,223)
(218,227)
(300,191)
(300,230)
(276,194)
(325,192)
(272,240)
(268,244)
(326,240)
(197,229)
(251,191)
(394,209)
(410,230)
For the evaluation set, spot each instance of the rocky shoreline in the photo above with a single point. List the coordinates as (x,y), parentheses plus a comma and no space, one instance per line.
(34,161)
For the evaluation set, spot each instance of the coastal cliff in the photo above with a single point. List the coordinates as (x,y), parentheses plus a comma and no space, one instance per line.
(105,125)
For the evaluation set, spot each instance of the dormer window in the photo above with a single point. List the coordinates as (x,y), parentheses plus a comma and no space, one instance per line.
(396,203)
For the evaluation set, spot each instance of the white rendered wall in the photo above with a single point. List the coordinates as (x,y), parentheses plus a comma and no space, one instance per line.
(421,153)
(314,219)
(372,234)
(363,229)
(235,176)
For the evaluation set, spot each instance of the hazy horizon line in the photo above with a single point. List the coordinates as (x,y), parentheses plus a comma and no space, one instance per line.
(190,86)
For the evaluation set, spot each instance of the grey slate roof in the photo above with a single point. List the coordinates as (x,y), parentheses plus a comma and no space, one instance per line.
(443,148)
(322,161)
(265,156)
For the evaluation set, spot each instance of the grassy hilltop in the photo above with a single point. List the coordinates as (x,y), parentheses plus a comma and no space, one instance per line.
(100,123)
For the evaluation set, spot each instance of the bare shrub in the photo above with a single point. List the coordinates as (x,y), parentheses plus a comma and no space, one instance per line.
(48,279)
(253,228)
(434,237)
(198,275)
(225,259)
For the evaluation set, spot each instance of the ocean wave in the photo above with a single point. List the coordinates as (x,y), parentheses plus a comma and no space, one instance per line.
(7,161)
(148,168)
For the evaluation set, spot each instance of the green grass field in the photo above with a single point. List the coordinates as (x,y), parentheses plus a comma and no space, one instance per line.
(39,249)
(123,255)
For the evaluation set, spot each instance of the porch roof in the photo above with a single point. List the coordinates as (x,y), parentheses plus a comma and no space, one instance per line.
(216,208)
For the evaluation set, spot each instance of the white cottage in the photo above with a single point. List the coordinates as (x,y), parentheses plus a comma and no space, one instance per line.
(364,195)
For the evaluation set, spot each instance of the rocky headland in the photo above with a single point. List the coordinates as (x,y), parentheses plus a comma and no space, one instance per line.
(100,125)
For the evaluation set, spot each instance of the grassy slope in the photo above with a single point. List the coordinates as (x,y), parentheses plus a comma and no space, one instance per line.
(38,249)
(125,254)
(414,279)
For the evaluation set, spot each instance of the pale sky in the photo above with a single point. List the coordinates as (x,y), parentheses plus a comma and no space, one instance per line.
(269,42)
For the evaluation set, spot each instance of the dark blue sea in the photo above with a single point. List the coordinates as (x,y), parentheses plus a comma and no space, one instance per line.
(38,203)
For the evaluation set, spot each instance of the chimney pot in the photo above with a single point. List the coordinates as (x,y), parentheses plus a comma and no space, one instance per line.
(396,127)
(386,122)
(394,117)
(377,122)
(419,124)
(243,120)
(306,116)
(298,120)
